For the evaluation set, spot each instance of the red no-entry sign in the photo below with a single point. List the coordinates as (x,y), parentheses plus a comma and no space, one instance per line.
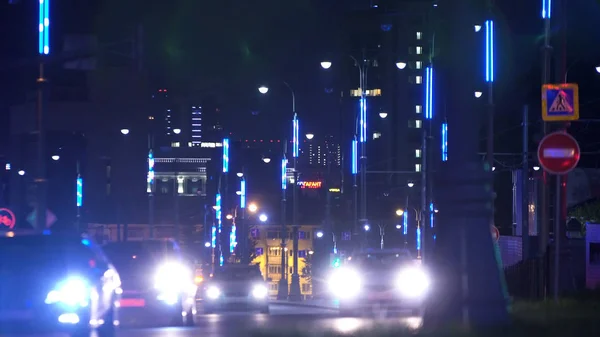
(558,153)
(495,233)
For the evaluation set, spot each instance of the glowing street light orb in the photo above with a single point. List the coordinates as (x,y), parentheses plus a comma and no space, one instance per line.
(263,218)
(310,136)
(400,65)
(252,208)
(326,64)
(125,131)
(263,90)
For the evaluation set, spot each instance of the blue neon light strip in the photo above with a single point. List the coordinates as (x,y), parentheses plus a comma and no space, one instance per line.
(219,226)
(405,223)
(431,213)
(243,194)
(489,51)
(363,120)
(284,174)
(546,9)
(150,178)
(354,157)
(296,136)
(213,237)
(232,238)
(225,155)
(79,192)
(418,238)
(444,141)
(44,27)
(429,92)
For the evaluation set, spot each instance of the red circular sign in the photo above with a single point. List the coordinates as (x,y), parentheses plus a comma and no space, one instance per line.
(7,218)
(495,233)
(558,153)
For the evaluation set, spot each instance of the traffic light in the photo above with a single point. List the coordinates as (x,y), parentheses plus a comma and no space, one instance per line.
(337,262)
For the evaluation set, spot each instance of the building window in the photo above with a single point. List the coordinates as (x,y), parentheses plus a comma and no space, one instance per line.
(306,288)
(418,108)
(273,286)
(255,233)
(419,35)
(272,235)
(419,79)
(259,251)
(418,124)
(417,167)
(419,50)
(418,64)
(302,253)
(275,269)
(302,235)
(274,251)
(418,153)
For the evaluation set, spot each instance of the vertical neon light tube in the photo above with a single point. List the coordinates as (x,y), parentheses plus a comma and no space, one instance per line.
(418,239)
(431,214)
(405,223)
(489,51)
(444,141)
(363,119)
(284,174)
(219,226)
(354,156)
(150,178)
(232,238)
(79,192)
(429,92)
(546,9)
(243,194)
(44,27)
(296,136)
(225,155)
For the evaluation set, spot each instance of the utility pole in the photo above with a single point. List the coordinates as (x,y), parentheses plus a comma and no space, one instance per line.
(464,257)
(525,186)
(282,291)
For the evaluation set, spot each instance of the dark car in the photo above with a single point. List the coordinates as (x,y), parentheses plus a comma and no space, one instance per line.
(56,283)
(157,280)
(374,280)
(237,287)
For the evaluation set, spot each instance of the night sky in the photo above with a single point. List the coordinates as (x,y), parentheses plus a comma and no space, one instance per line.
(229,47)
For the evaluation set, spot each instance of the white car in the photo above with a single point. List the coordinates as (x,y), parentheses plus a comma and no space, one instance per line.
(380,280)
(236,286)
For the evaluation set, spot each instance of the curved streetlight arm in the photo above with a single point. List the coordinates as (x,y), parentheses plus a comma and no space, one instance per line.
(293,96)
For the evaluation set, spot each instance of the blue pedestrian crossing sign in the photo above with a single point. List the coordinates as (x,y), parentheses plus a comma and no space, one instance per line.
(560,102)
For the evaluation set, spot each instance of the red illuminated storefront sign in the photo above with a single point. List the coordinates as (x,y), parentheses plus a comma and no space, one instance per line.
(310,184)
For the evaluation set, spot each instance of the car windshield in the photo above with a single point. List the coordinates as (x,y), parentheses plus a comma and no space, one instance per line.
(381,260)
(129,254)
(21,253)
(238,274)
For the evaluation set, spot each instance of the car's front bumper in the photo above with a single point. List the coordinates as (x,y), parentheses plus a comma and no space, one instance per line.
(235,303)
(154,308)
(371,301)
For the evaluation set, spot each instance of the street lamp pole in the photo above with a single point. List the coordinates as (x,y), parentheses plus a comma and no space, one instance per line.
(282,291)
(295,294)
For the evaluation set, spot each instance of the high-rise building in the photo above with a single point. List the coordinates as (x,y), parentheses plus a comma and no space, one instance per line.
(196,126)
(163,116)
(317,153)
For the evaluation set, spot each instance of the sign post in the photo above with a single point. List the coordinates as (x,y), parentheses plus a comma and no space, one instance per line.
(558,154)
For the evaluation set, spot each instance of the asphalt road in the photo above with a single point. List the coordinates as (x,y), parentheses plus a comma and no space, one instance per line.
(313,321)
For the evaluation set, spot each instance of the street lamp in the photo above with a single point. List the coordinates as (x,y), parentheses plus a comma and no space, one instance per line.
(598,69)
(411,184)
(176,131)
(263,90)
(367,228)
(266,160)
(400,65)
(55,157)
(229,217)
(326,64)
(536,168)
(399,212)
(320,234)
(383,114)
(477,28)
(252,208)
(310,136)
(263,218)
(21,173)
(240,174)
(125,131)
(478,94)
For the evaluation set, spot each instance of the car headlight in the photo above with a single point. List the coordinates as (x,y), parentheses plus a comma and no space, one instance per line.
(345,283)
(413,282)
(213,292)
(260,291)
(173,277)
(73,291)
